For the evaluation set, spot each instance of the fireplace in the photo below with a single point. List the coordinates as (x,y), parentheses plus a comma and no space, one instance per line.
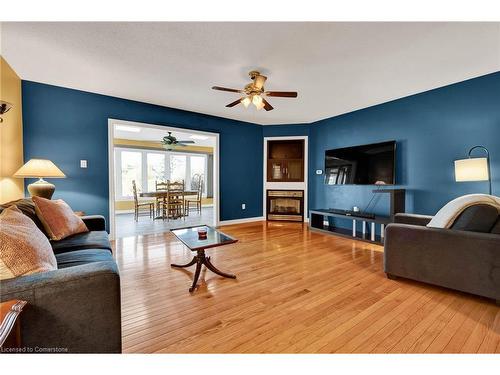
(285,205)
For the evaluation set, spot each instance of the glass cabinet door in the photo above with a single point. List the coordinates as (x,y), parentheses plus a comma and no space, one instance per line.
(276,170)
(294,170)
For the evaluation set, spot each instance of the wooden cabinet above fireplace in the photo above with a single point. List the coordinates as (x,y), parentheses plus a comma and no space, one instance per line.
(285,161)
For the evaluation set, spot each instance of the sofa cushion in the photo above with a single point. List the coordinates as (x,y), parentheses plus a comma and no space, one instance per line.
(27,207)
(477,218)
(97,239)
(24,249)
(58,219)
(496,227)
(80,257)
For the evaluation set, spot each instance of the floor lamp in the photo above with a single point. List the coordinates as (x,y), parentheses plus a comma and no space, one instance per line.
(474,169)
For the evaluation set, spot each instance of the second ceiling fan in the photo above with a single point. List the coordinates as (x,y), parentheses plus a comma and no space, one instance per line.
(254,92)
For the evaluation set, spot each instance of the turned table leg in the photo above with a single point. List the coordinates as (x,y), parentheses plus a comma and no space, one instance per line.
(200,259)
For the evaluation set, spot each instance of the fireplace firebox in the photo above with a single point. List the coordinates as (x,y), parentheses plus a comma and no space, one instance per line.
(286,205)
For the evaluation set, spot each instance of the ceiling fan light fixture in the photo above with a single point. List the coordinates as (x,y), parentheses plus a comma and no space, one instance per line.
(246,101)
(257,101)
(253,93)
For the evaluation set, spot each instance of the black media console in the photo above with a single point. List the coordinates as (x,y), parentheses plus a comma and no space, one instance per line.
(318,219)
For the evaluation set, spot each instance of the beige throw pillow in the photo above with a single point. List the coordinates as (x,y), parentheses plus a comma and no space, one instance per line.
(58,218)
(24,249)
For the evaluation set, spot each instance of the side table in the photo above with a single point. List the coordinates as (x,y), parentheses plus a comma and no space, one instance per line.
(10,328)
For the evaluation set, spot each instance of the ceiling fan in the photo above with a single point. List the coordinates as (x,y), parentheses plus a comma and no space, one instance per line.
(254,92)
(170,142)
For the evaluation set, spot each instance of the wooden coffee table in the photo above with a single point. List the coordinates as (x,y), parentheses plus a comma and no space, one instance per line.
(189,237)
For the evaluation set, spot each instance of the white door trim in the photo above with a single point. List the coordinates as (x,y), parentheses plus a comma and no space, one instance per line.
(111,165)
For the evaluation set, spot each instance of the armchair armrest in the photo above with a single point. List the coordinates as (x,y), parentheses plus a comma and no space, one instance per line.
(76,309)
(94,222)
(461,260)
(412,219)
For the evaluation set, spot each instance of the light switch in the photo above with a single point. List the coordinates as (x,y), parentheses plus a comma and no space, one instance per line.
(83,163)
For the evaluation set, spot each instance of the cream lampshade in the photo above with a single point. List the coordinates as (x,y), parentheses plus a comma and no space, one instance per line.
(473,169)
(40,168)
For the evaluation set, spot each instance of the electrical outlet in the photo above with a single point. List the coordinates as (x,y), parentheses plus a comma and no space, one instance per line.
(243,206)
(83,163)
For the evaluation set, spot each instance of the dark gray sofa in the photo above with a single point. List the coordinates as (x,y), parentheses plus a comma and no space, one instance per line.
(465,257)
(75,308)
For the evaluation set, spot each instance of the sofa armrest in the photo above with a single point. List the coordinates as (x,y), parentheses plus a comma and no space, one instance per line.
(76,309)
(466,261)
(94,222)
(412,219)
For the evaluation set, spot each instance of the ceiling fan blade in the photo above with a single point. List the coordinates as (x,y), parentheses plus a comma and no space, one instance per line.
(186,142)
(234,103)
(267,106)
(225,89)
(282,94)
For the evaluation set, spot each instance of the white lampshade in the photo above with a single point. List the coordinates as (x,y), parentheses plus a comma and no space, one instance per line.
(39,168)
(257,101)
(246,101)
(472,169)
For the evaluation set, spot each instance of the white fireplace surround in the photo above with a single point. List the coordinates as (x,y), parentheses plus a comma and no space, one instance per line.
(287,185)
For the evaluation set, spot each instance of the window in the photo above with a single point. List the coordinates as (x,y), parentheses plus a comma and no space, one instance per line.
(197,171)
(156,169)
(131,169)
(178,167)
(148,166)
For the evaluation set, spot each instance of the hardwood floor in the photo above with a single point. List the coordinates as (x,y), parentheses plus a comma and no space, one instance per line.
(296,291)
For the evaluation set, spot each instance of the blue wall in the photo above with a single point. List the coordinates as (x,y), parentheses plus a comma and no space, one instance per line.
(432,129)
(67,125)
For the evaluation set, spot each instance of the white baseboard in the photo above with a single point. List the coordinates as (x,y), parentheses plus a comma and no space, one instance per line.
(241,221)
(249,220)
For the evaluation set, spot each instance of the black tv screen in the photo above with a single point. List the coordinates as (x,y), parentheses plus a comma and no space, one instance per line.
(372,164)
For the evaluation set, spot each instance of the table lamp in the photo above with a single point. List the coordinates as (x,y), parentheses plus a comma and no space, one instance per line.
(40,168)
(474,169)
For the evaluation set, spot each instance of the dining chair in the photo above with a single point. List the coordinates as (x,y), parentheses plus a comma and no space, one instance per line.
(161,201)
(140,207)
(175,200)
(197,199)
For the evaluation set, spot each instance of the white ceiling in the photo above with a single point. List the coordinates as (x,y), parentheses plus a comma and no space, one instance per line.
(335,67)
(156,135)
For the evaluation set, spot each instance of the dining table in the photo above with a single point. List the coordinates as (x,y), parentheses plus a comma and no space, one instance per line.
(163,194)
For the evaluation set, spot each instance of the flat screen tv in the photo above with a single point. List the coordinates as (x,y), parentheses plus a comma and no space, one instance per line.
(372,164)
